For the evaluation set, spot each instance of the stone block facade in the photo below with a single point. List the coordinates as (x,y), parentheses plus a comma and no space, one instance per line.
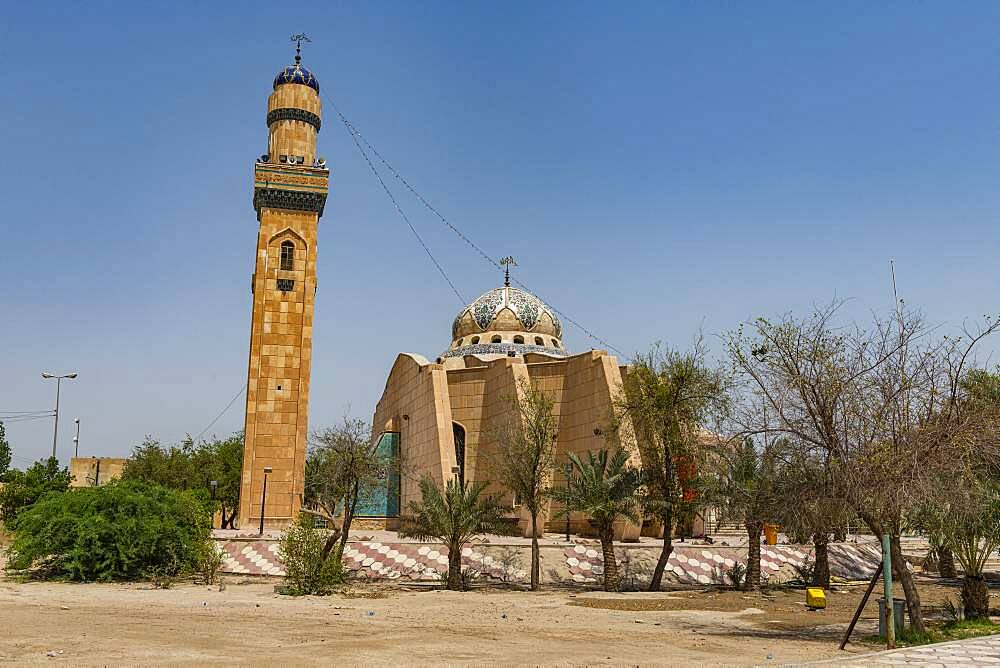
(290,189)
(447,414)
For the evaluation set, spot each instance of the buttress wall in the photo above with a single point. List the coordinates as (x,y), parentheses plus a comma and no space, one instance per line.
(415,403)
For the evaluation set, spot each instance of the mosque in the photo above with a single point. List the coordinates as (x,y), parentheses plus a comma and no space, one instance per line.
(442,416)
(438,416)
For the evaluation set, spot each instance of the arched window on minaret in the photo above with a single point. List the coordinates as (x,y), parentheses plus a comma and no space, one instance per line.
(287,256)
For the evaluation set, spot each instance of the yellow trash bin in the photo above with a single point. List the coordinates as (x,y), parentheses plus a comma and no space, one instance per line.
(771,534)
(815,598)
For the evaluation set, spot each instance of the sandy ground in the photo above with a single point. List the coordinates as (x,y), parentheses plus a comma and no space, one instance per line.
(246,623)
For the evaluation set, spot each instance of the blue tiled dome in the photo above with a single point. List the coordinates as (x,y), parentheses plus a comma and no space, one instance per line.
(296,74)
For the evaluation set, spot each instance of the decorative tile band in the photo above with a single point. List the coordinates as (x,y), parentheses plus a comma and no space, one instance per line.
(370,559)
(502,349)
(293,114)
(584,562)
(296,200)
(709,564)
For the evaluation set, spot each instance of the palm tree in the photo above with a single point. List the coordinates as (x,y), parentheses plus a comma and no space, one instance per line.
(454,518)
(813,505)
(749,492)
(604,488)
(969,524)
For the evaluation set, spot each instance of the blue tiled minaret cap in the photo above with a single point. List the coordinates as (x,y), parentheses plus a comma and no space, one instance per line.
(296,74)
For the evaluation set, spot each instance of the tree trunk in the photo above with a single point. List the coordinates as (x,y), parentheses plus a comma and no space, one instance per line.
(975,597)
(610,563)
(330,544)
(455,567)
(536,566)
(754,530)
(946,562)
(350,505)
(821,571)
(909,586)
(667,518)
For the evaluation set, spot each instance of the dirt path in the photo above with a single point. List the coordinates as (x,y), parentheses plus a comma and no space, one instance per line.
(246,623)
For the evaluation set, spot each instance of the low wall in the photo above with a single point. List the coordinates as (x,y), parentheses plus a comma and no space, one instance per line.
(579,562)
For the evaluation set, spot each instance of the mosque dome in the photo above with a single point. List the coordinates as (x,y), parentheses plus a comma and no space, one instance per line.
(506,320)
(296,74)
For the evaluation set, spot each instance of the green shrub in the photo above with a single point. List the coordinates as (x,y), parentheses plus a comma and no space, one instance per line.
(209,561)
(23,488)
(309,567)
(736,574)
(125,530)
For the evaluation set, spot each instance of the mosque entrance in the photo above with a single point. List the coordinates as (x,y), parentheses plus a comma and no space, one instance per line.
(459,434)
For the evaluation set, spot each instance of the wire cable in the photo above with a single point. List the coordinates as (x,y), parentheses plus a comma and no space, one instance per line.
(26,418)
(392,198)
(223,412)
(356,134)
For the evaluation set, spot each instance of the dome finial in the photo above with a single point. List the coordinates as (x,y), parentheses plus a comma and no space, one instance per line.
(507,262)
(298,39)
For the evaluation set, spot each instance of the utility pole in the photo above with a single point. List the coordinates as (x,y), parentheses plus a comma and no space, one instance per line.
(76,440)
(55,429)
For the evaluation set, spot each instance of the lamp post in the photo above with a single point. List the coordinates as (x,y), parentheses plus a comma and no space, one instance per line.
(456,471)
(76,440)
(263,495)
(213,484)
(55,430)
(568,468)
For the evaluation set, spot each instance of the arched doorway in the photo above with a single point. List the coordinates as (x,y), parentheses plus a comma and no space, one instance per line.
(458,431)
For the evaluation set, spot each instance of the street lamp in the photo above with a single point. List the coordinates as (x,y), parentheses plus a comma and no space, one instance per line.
(456,471)
(55,430)
(263,495)
(213,484)
(76,439)
(568,470)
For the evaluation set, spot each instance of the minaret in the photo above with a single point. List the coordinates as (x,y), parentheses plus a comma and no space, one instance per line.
(290,187)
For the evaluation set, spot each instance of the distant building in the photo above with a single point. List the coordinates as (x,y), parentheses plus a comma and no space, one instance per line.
(94,471)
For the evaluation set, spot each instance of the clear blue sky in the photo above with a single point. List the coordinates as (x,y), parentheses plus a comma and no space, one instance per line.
(653,167)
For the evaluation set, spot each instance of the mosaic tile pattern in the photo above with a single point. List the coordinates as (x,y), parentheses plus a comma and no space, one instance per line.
(503,349)
(298,75)
(708,564)
(486,307)
(526,307)
(369,559)
(693,565)
(259,557)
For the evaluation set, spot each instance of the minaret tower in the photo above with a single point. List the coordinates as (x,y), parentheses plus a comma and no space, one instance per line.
(290,187)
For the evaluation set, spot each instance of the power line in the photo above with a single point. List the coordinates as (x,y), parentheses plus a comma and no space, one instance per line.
(223,412)
(26,418)
(392,198)
(356,134)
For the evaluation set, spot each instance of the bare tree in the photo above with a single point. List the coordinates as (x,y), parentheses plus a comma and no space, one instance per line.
(343,466)
(881,402)
(669,397)
(525,457)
